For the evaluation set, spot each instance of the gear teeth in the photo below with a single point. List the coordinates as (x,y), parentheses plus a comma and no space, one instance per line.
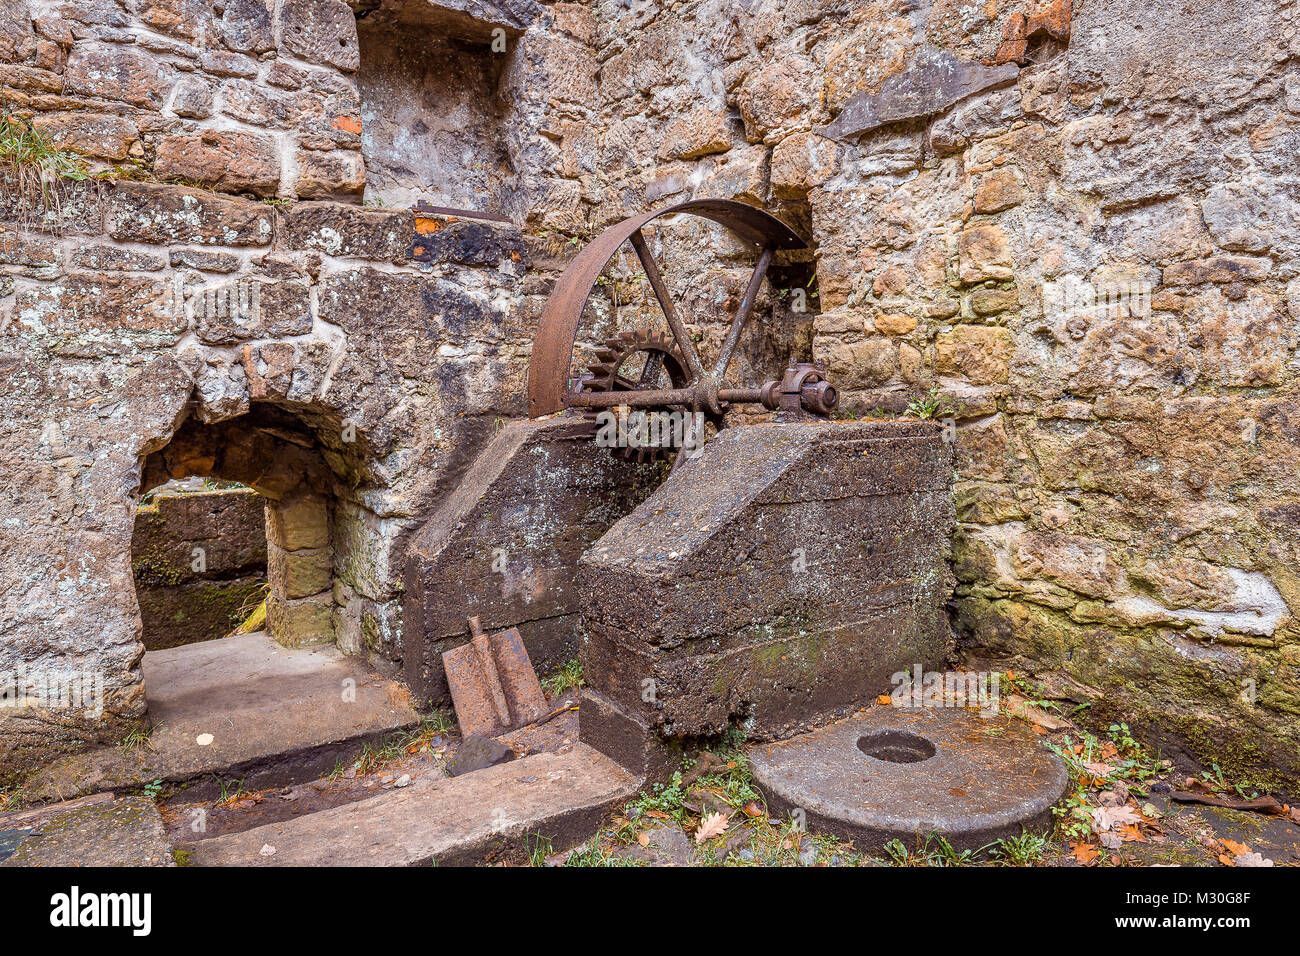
(602,373)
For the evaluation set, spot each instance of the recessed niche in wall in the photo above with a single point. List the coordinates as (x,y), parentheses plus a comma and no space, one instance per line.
(432,121)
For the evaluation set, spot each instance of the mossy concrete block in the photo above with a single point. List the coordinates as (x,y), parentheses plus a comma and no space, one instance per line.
(779,578)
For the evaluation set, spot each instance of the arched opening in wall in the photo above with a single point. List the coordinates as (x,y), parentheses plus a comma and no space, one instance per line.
(433,124)
(271,455)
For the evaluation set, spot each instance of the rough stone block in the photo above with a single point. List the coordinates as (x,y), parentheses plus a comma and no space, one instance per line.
(164,215)
(936,80)
(115,72)
(301,622)
(99,136)
(298,523)
(330,175)
(234,162)
(778,579)
(340,230)
(320,31)
(505,545)
(298,574)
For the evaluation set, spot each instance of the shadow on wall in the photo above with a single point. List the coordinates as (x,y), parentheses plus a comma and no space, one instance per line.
(433,124)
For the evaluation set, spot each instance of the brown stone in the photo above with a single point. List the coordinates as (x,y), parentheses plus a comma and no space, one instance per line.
(800,162)
(246,26)
(299,574)
(234,162)
(980,354)
(299,522)
(100,136)
(193,98)
(146,212)
(330,175)
(116,73)
(340,230)
(301,622)
(895,323)
(252,309)
(269,368)
(320,31)
(984,253)
(698,133)
(998,190)
(30,79)
(869,363)
(1218,269)
(83,304)
(993,301)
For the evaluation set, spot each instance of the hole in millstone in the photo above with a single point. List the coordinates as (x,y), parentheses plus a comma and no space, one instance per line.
(896,746)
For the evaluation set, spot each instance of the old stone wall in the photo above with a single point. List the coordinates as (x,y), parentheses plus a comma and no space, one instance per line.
(1076,223)
(195,305)
(199,559)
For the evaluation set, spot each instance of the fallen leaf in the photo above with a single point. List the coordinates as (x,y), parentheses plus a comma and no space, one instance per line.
(752,809)
(643,838)
(1252,859)
(1099,769)
(1107,818)
(1150,810)
(1085,853)
(1111,841)
(711,825)
(1233,847)
(657,814)
(1131,834)
(883,699)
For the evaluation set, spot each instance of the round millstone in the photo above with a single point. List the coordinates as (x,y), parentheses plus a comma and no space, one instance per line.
(905,773)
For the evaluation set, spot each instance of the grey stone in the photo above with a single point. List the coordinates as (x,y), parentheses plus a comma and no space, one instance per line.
(783,575)
(985,779)
(505,543)
(936,80)
(451,821)
(125,832)
(274,716)
(475,753)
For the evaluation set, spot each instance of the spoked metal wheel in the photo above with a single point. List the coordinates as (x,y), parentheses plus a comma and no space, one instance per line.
(691,384)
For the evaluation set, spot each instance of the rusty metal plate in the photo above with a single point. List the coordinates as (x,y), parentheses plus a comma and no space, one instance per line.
(493,685)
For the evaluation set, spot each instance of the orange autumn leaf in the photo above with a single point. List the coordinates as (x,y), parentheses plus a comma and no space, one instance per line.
(1234,848)
(883,699)
(1085,853)
(643,838)
(1131,834)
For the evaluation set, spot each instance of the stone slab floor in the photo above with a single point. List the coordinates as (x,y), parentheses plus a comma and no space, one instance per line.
(242,706)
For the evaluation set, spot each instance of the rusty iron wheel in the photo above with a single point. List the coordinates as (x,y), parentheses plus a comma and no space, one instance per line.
(549,369)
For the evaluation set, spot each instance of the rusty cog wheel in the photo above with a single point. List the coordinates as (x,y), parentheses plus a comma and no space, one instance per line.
(617,368)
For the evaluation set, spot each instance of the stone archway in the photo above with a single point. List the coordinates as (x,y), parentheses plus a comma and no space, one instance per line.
(276,456)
